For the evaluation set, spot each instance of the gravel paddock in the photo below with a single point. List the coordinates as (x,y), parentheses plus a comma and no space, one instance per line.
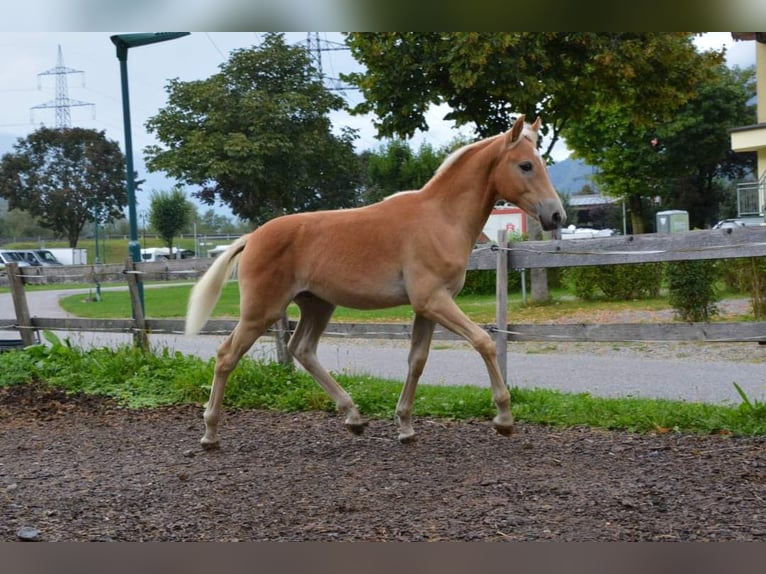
(80,468)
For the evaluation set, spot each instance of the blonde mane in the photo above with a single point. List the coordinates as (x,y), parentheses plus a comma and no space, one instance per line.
(528,133)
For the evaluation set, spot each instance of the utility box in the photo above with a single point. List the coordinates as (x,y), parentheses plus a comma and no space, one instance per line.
(672,221)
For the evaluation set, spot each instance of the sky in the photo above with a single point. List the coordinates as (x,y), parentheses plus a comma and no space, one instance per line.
(25,57)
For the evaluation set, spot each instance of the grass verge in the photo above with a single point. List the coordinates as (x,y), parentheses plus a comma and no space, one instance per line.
(139,380)
(170,301)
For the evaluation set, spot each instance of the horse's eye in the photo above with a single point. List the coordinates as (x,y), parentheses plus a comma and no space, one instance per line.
(525,166)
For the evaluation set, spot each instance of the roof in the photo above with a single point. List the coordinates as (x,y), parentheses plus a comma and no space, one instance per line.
(744,36)
(590,200)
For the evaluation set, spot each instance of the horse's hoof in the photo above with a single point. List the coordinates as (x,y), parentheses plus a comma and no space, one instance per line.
(504,430)
(357,428)
(406,438)
(209,445)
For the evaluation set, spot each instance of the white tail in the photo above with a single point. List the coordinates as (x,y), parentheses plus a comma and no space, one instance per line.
(207,291)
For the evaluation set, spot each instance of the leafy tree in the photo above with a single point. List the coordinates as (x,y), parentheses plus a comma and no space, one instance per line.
(63,177)
(169,214)
(257,135)
(212,223)
(699,171)
(17,224)
(679,159)
(395,167)
(489,77)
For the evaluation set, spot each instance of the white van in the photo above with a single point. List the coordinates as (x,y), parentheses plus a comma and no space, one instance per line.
(40,257)
(163,254)
(155,254)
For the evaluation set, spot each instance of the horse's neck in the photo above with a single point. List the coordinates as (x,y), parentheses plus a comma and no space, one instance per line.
(464,191)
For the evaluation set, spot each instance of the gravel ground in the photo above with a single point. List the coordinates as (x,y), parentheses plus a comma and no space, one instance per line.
(78,468)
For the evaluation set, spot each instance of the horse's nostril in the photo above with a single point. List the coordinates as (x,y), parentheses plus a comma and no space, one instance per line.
(556,217)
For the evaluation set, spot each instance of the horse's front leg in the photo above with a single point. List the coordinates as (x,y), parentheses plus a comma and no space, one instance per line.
(422,332)
(445,311)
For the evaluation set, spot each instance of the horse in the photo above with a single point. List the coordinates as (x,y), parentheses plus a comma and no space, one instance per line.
(410,248)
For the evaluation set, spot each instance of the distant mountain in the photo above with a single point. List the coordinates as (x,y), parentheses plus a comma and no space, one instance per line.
(568,176)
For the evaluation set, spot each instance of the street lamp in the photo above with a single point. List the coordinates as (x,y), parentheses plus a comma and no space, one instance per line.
(123,42)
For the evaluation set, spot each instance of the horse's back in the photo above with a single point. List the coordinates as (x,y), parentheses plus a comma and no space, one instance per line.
(352,257)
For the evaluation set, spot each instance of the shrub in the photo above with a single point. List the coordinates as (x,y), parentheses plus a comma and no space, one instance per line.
(481,282)
(735,274)
(747,276)
(757,286)
(615,282)
(692,289)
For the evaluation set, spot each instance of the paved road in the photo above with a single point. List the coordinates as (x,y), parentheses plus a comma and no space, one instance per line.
(686,371)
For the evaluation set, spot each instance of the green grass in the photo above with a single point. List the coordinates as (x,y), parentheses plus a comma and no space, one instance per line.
(141,380)
(170,301)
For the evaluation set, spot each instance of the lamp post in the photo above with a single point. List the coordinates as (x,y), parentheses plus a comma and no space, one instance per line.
(123,42)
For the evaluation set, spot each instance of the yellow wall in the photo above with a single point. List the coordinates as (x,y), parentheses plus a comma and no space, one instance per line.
(760,67)
(753,138)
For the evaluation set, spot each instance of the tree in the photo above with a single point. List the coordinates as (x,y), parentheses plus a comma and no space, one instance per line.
(680,159)
(65,178)
(699,172)
(257,136)
(395,167)
(17,224)
(489,78)
(169,214)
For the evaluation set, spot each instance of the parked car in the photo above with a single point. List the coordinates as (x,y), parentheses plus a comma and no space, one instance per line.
(573,232)
(729,224)
(13,256)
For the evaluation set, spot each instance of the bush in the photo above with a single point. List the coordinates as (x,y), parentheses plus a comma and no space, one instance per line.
(747,276)
(735,274)
(615,282)
(692,289)
(481,282)
(757,285)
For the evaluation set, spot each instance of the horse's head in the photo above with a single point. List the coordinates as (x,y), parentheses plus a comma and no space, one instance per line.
(521,176)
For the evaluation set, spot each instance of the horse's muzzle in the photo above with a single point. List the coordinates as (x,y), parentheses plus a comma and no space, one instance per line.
(551,215)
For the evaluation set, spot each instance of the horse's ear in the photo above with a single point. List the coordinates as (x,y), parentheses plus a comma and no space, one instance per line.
(515,131)
(537,124)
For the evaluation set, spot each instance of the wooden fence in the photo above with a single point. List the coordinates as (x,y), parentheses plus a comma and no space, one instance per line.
(693,245)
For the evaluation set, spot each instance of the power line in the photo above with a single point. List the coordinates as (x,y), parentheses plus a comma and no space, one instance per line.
(210,39)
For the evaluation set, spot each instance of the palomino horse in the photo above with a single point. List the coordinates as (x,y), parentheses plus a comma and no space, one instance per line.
(411,248)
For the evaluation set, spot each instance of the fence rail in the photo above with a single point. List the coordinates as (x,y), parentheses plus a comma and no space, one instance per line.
(693,245)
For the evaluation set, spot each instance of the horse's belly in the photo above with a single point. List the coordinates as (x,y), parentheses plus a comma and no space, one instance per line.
(363,295)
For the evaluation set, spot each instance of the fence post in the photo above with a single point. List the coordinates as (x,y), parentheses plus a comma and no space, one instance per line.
(282,337)
(23,318)
(140,337)
(501,303)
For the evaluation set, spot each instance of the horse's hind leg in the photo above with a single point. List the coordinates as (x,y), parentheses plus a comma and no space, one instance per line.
(315,314)
(422,331)
(229,354)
